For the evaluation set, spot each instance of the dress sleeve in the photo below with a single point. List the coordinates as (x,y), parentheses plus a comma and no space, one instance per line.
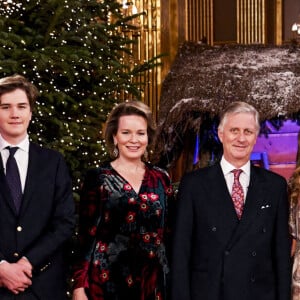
(170,211)
(89,219)
(293,219)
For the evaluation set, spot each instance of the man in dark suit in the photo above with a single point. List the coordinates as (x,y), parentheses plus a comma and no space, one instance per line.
(35,226)
(223,252)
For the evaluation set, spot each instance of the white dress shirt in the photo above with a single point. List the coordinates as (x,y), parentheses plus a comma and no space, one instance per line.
(244,176)
(21,156)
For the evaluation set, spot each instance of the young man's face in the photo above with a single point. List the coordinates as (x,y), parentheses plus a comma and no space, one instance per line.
(15,115)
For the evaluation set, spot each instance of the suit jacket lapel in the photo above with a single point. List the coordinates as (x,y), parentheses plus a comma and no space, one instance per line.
(255,195)
(5,192)
(32,176)
(254,199)
(222,202)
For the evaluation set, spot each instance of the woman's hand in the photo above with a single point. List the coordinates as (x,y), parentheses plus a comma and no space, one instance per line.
(79,294)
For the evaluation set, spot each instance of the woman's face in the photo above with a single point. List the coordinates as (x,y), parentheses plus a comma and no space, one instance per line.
(131,137)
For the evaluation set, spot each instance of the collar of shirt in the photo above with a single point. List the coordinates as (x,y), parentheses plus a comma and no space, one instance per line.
(228,167)
(22,157)
(23,145)
(244,177)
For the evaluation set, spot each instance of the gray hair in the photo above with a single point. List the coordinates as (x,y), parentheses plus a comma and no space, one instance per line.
(236,108)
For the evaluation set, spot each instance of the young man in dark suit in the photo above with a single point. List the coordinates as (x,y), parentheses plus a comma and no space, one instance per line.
(35,224)
(231,239)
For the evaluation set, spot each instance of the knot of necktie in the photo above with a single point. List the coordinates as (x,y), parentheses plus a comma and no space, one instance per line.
(12,150)
(237,173)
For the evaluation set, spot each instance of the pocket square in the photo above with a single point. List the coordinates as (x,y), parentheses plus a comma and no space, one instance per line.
(265,206)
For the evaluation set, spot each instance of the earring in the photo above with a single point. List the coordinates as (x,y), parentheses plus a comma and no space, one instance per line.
(116,151)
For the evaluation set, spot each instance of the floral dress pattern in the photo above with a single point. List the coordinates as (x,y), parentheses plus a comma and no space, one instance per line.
(294,223)
(123,236)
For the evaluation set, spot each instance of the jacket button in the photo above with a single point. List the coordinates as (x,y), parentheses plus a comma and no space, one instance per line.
(227,252)
(253,253)
(16,254)
(19,228)
(214,229)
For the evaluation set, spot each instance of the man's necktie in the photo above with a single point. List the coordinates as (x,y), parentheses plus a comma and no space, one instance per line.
(13,177)
(237,194)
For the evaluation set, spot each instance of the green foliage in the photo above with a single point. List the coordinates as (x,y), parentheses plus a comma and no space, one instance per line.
(75,52)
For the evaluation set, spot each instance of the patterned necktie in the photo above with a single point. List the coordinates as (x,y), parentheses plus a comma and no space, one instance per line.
(13,177)
(237,194)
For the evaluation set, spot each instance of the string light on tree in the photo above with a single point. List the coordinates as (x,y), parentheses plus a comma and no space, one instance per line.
(77,54)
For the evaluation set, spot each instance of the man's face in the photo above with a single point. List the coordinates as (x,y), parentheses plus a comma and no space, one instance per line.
(15,115)
(238,137)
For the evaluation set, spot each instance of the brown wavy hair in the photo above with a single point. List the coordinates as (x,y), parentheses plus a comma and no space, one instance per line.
(128,108)
(11,83)
(294,187)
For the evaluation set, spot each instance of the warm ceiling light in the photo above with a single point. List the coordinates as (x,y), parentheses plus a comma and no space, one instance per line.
(295,27)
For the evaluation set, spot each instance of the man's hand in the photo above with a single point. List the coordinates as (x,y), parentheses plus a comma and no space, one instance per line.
(27,266)
(13,276)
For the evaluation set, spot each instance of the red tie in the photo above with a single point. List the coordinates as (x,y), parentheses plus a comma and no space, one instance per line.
(237,194)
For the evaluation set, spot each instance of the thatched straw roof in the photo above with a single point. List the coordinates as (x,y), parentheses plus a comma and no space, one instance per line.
(203,80)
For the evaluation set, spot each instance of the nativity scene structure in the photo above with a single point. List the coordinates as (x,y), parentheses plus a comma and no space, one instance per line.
(204,79)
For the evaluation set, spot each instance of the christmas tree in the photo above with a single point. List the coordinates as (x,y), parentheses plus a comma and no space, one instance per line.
(78,55)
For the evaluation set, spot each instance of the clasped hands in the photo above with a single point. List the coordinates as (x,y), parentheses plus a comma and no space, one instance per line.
(16,277)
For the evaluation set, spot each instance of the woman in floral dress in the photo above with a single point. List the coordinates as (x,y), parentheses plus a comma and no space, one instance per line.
(123,221)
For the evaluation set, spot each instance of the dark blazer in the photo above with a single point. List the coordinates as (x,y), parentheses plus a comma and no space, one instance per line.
(215,256)
(44,223)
